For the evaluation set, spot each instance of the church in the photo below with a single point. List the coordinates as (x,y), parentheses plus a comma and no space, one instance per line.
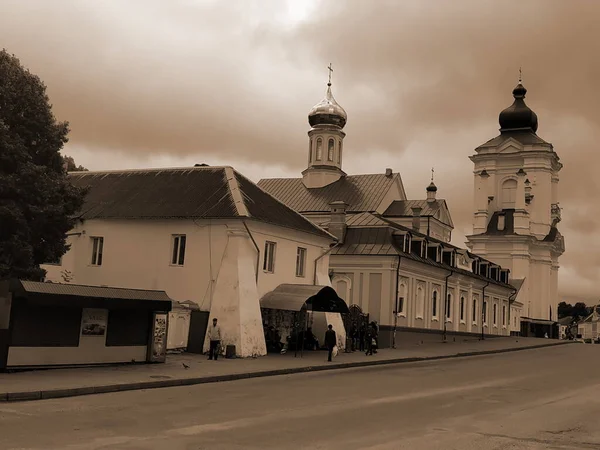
(393,259)
(516,211)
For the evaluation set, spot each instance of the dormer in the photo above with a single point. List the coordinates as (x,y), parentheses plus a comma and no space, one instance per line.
(449,257)
(434,251)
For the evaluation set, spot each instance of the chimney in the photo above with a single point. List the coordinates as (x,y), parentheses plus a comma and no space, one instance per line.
(388,172)
(416,222)
(337,220)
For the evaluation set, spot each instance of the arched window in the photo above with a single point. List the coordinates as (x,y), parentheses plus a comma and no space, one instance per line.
(310,149)
(449,306)
(462,308)
(509,194)
(495,318)
(339,159)
(434,311)
(420,302)
(330,148)
(401,302)
(474,310)
(319,149)
(503,315)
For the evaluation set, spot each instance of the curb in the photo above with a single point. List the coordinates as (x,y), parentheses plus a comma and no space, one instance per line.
(74,392)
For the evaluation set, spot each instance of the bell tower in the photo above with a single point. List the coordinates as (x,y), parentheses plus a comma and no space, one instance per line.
(327,120)
(515,222)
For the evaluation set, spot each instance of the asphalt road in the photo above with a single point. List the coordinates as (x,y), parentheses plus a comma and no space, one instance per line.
(534,399)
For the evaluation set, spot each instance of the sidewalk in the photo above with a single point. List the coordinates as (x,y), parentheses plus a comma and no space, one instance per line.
(54,383)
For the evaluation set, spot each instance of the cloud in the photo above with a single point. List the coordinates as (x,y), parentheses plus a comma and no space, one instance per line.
(152,82)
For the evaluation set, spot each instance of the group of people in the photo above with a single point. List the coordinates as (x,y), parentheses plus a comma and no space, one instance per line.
(365,337)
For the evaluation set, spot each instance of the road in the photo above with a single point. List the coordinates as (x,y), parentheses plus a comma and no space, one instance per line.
(535,399)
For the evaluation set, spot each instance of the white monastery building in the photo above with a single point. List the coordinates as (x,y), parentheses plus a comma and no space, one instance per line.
(517,209)
(393,259)
(206,235)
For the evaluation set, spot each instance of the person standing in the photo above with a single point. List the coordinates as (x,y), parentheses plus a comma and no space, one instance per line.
(330,341)
(214,336)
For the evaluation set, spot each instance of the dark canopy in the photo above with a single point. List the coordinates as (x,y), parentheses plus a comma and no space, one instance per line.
(296,297)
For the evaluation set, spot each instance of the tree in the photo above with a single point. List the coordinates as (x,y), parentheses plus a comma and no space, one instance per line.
(564,310)
(71,166)
(580,310)
(37,202)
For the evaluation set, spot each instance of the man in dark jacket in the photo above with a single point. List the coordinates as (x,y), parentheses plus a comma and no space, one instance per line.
(330,341)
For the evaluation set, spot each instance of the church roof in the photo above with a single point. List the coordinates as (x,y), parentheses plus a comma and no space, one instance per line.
(437,209)
(525,137)
(360,192)
(191,192)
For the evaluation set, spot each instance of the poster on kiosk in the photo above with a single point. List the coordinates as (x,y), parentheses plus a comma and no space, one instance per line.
(157,350)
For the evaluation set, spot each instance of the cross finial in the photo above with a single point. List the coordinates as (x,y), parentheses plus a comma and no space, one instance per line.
(520,75)
(432,174)
(330,72)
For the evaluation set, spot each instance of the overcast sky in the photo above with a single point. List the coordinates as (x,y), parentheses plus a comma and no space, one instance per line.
(168,83)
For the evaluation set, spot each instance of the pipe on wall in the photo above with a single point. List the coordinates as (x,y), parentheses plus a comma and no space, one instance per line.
(317,260)
(446,304)
(255,246)
(396,302)
(483,304)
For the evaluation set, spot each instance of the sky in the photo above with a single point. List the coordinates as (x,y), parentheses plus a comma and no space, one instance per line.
(150,83)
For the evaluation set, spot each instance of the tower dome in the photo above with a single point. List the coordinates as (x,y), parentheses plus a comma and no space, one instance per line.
(327,112)
(518,116)
(432,187)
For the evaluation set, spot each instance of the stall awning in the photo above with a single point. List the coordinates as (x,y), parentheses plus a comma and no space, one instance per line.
(538,321)
(296,297)
(90,296)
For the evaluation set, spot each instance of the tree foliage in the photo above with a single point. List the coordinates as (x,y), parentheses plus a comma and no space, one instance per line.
(37,202)
(71,166)
(577,311)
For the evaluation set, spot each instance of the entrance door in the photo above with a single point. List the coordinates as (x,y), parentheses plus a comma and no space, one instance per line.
(198,326)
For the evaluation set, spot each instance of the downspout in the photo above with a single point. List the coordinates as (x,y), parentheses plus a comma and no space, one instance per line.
(483,309)
(396,304)
(318,258)
(511,300)
(255,246)
(446,304)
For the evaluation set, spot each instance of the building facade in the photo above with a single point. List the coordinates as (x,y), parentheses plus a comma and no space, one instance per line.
(370,266)
(517,208)
(205,234)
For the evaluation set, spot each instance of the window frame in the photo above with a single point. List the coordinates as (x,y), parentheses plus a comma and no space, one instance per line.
(449,299)
(178,243)
(434,305)
(97,251)
(474,310)
(301,253)
(330,149)
(319,149)
(269,257)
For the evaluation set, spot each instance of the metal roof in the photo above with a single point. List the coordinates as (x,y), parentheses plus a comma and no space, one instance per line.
(525,137)
(437,209)
(76,290)
(194,192)
(360,192)
(296,297)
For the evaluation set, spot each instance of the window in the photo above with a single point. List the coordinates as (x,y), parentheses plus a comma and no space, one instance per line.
(448,306)
(484,312)
(462,309)
(319,149)
(495,308)
(339,159)
(330,148)
(503,315)
(434,304)
(269,261)
(400,309)
(474,310)
(97,249)
(310,148)
(178,249)
(420,302)
(300,262)
(509,194)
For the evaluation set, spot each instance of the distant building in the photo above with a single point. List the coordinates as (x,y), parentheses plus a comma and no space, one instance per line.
(393,255)
(589,328)
(204,234)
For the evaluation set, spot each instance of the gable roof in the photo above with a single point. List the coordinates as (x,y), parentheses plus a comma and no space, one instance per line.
(437,209)
(360,192)
(192,192)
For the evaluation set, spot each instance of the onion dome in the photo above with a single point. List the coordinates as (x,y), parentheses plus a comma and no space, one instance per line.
(518,116)
(327,112)
(432,187)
